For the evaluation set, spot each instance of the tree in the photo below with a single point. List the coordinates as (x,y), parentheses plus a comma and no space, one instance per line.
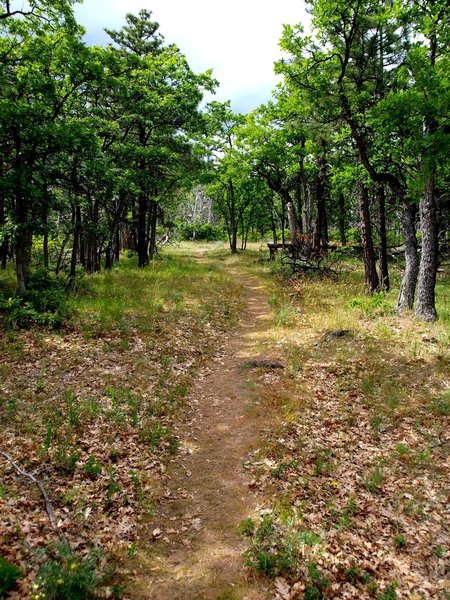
(353,67)
(158,98)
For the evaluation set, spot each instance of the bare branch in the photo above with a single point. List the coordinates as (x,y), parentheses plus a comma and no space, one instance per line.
(48,505)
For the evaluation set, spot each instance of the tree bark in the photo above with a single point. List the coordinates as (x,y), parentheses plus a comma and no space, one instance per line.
(370,269)
(292,222)
(382,252)
(4,242)
(408,287)
(321,226)
(342,235)
(153,221)
(233,223)
(425,308)
(23,246)
(76,221)
(142,249)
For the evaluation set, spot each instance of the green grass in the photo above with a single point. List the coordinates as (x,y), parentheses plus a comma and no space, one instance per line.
(127,298)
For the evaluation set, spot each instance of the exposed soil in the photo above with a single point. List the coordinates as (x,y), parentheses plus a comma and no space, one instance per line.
(194,547)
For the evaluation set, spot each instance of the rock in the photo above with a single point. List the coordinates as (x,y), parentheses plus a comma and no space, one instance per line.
(338,333)
(263,364)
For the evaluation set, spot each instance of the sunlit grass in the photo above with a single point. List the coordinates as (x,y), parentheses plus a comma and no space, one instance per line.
(166,289)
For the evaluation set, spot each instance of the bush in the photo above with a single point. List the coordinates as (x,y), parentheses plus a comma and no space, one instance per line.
(373,305)
(276,546)
(45,303)
(353,236)
(202,232)
(65,575)
(9,574)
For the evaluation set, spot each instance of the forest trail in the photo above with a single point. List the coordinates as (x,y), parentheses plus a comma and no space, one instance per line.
(195,549)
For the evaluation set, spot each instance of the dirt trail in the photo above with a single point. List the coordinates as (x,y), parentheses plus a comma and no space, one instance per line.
(197,553)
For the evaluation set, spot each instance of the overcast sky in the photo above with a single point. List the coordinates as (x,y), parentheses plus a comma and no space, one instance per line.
(238,39)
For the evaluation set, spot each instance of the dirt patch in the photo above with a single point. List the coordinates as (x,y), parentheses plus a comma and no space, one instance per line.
(194,547)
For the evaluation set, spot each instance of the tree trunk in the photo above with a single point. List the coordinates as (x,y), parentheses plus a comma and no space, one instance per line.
(292,222)
(408,287)
(370,269)
(4,240)
(153,222)
(321,227)
(142,231)
(23,246)
(320,217)
(273,224)
(308,210)
(342,235)
(425,308)
(76,221)
(233,223)
(298,196)
(45,250)
(382,253)
(61,254)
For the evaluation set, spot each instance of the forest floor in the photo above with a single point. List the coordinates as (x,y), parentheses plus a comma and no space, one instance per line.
(158,439)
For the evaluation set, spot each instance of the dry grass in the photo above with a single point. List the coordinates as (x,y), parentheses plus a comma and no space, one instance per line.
(359,453)
(89,409)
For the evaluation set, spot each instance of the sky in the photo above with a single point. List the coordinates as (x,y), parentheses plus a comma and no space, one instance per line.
(238,39)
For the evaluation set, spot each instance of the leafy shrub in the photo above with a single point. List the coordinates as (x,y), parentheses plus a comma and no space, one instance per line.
(200,231)
(64,575)
(9,574)
(154,434)
(93,467)
(45,303)
(318,584)
(273,552)
(276,547)
(353,236)
(66,457)
(375,304)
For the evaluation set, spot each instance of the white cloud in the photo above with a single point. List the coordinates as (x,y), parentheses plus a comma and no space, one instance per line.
(238,39)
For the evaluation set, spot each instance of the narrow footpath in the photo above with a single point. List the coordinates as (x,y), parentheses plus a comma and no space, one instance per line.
(195,549)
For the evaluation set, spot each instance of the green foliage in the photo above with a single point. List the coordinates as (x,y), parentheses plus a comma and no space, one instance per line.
(374,479)
(273,550)
(65,575)
(389,593)
(247,527)
(9,574)
(200,232)
(285,313)
(153,433)
(374,305)
(318,584)
(276,545)
(441,406)
(45,303)
(66,456)
(399,541)
(93,467)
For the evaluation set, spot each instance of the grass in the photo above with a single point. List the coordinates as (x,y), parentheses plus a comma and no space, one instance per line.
(93,405)
(355,447)
(364,423)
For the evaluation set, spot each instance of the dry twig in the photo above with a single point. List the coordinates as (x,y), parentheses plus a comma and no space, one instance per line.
(48,505)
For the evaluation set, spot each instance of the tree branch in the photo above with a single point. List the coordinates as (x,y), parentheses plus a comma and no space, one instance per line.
(48,505)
